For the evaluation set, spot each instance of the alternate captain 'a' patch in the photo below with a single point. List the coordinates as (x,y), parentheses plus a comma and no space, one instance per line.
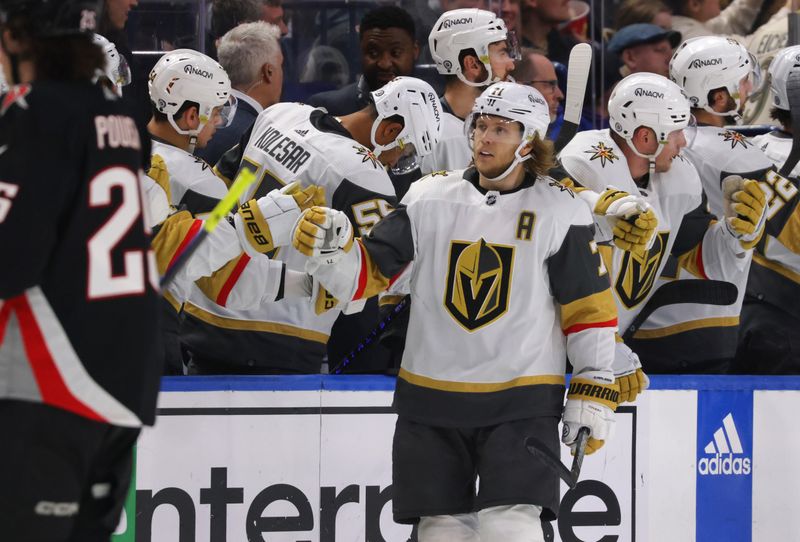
(602,153)
(478,282)
(734,138)
(638,272)
(15,95)
(367,155)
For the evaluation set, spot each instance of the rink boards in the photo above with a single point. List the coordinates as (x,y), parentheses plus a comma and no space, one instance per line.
(309,459)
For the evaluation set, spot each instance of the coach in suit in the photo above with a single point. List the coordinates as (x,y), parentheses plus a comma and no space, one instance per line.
(252,57)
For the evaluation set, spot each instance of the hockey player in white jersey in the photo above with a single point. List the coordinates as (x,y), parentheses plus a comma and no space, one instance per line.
(717,75)
(641,154)
(507,281)
(190,94)
(768,340)
(472,49)
(347,157)
(778,144)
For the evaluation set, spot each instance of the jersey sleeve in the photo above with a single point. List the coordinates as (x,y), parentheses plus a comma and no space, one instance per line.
(580,286)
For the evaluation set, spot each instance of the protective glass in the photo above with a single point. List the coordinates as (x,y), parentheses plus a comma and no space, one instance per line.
(514,47)
(755,80)
(690,132)
(409,160)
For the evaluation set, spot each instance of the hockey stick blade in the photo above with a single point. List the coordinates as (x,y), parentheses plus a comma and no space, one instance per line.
(707,292)
(793,93)
(244,179)
(580,62)
(570,476)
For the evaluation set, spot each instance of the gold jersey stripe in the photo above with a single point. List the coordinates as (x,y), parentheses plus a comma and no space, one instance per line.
(172,233)
(778,268)
(390,300)
(689,261)
(254,325)
(219,174)
(478,387)
(213,285)
(720,321)
(592,309)
(371,281)
(171,300)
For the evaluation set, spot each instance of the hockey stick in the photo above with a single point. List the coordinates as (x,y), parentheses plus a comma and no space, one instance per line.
(570,476)
(708,292)
(371,336)
(793,93)
(580,62)
(244,179)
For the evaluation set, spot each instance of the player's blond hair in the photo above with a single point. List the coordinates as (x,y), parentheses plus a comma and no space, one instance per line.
(542,157)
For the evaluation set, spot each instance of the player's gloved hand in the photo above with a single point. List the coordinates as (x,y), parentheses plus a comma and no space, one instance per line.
(323,235)
(630,378)
(745,206)
(266,223)
(632,219)
(591,401)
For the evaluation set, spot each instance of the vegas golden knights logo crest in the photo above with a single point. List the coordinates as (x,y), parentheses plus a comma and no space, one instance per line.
(478,282)
(638,272)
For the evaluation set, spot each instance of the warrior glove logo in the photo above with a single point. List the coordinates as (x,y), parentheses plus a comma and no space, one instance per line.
(638,273)
(648,93)
(478,282)
(700,63)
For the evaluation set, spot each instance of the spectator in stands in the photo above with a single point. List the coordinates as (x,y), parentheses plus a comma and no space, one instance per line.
(272,13)
(644,47)
(252,58)
(510,12)
(694,18)
(643,11)
(448,5)
(537,71)
(388,49)
(540,21)
(228,14)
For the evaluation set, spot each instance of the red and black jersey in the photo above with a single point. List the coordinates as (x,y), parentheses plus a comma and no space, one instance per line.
(78,306)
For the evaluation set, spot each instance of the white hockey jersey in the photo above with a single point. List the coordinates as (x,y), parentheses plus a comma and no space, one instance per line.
(504,286)
(700,336)
(685,230)
(452,152)
(775,273)
(289,142)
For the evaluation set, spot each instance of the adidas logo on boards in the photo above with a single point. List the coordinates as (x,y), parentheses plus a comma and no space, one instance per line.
(723,450)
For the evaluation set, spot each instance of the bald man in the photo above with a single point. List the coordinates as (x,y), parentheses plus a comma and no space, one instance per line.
(537,71)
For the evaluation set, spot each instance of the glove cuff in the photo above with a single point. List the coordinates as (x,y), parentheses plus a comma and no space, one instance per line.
(253,227)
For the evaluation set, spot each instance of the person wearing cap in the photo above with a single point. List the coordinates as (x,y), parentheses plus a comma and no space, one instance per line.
(644,47)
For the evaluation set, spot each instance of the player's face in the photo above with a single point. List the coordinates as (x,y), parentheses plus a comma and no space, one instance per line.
(494,142)
(546,82)
(675,142)
(385,54)
(500,60)
(510,13)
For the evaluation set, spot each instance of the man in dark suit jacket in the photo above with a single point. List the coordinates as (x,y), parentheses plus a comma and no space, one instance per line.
(388,49)
(256,80)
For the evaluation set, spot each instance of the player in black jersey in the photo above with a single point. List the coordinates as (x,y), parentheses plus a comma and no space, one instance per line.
(79,359)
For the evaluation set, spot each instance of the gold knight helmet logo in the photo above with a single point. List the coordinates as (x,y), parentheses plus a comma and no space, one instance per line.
(478,282)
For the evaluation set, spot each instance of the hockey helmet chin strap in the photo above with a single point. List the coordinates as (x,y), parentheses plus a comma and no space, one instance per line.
(651,158)
(518,159)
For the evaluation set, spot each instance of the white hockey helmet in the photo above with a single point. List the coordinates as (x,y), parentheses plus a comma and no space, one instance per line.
(649,100)
(706,63)
(417,103)
(186,75)
(117,70)
(783,64)
(517,103)
(459,30)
